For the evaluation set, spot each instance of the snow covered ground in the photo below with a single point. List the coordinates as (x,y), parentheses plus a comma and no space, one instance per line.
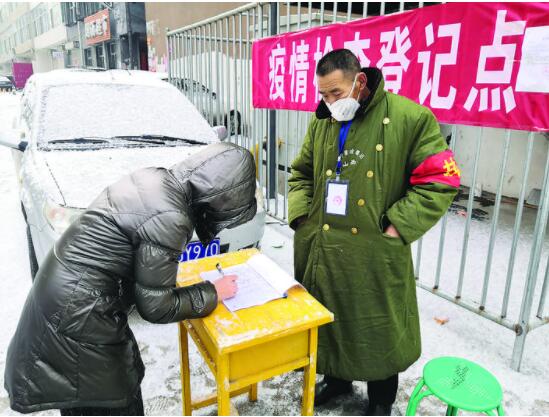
(465,334)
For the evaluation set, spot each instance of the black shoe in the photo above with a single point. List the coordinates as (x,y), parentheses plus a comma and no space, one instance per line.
(379,409)
(330,388)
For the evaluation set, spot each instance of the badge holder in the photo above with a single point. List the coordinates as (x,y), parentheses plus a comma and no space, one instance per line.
(337,197)
(337,191)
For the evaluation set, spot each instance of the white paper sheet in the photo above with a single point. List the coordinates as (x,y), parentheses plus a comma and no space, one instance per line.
(275,275)
(260,280)
(533,75)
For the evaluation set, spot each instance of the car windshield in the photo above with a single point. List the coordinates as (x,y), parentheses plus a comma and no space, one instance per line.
(76,111)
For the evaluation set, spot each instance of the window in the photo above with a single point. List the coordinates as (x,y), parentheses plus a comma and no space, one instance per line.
(90,8)
(69,13)
(22,29)
(154,109)
(88,57)
(44,21)
(41,19)
(100,54)
(56,15)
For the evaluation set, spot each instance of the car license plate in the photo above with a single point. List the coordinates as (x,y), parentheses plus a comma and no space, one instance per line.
(195,250)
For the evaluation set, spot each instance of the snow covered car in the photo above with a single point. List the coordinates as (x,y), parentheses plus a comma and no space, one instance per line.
(80,131)
(5,84)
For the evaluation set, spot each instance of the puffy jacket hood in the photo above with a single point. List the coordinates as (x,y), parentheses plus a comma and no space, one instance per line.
(221,180)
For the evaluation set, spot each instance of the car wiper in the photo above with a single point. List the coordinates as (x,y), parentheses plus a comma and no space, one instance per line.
(171,139)
(88,139)
(140,140)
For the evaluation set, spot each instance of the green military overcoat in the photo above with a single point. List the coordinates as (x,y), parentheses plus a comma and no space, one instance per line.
(363,276)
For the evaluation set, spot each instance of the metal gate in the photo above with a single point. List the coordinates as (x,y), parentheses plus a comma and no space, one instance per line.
(489,245)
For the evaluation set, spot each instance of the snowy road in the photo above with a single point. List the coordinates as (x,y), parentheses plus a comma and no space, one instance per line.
(465,334)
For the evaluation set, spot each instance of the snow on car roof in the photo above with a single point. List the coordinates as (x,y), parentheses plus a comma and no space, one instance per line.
(79,76)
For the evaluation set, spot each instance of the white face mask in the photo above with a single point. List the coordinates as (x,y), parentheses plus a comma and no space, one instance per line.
(344,109)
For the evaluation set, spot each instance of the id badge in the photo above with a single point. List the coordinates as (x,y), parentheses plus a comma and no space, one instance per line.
(337,196)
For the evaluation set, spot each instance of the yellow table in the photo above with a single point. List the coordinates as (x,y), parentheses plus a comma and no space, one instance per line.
(250,345)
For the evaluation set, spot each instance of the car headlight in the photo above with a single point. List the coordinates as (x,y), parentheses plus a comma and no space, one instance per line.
(59,217)
(259,198)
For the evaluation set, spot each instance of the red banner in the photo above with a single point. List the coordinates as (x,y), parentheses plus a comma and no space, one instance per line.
(482,64)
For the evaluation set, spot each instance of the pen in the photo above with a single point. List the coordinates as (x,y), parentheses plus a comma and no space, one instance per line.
(218,267)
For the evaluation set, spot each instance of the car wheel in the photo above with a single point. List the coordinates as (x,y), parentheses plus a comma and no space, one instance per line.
(234,123)
(32,255)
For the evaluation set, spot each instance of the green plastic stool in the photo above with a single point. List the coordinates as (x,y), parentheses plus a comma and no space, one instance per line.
(461,384)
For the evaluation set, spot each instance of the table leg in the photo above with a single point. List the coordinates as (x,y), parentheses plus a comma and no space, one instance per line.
(310,375)
(223,395)
(185,369)
(252,395)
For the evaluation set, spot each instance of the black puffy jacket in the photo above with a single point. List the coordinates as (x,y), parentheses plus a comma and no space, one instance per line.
(73,346)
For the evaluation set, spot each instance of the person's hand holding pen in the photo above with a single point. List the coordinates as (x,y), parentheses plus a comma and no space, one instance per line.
(225,286)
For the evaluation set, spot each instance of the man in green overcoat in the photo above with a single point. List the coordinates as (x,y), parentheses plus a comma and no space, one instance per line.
(373,175)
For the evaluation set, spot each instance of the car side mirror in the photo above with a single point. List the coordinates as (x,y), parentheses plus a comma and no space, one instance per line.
(221,132)
(11,139)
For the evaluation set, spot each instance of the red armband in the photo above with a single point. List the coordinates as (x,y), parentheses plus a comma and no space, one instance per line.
(440,168)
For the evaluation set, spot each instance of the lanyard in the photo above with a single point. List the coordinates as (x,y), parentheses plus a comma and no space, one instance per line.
(343,133)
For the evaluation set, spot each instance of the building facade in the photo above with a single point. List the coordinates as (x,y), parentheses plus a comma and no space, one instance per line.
(106,35)
(73,34)
(32,33)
